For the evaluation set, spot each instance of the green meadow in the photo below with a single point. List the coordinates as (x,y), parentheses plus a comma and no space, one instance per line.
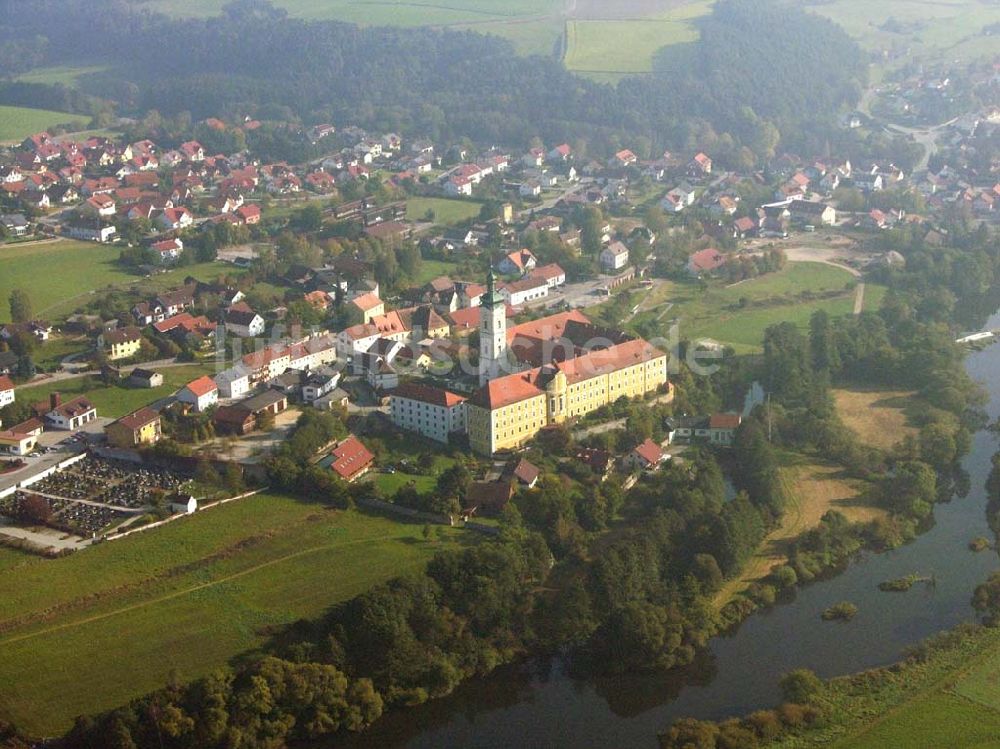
(17,123)
(90,631)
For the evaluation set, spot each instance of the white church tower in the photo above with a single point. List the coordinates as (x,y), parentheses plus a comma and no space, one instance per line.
(492,333)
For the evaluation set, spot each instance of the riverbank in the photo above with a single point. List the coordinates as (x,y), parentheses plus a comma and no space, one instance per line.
(944,694)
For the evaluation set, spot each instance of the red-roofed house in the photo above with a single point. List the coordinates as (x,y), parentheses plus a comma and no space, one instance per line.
(351,459)
(645,457)
(722,429)
(201,394)
(705,261)
(518,261)
(175,218)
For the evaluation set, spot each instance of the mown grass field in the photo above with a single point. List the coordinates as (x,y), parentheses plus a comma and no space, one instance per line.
(90,631)
(114,401)
(61,276)
(17,123)
(445,211)
(715,312)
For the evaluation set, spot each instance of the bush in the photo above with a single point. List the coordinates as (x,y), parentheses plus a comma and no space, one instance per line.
(800,686)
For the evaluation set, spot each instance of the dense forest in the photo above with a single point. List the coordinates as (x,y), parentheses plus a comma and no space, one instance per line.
(761,70)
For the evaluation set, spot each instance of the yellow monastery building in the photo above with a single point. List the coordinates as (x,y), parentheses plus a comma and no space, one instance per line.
(579,368)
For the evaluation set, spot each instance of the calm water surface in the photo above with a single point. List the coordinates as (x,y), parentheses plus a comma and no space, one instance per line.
(537,704)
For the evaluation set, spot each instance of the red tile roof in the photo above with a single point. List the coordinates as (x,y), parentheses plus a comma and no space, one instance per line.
(546,328)
(202,386)
(138,419)
(350,458)
(6,383)
(650,452)
(724,421)
(367,301)
(427,394)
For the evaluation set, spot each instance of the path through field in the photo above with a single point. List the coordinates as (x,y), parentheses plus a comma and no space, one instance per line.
(189,591)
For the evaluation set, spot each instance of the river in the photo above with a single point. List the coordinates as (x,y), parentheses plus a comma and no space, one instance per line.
(537,704)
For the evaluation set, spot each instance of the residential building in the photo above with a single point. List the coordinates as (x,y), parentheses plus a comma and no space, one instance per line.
(367,306)
(614,257)
(70,415)
(6,391)
(705,261)
(243,322)
(13,442)
(722,429)
(518,261)
(812,212)
(201,393)
(433,412)
(351,459)
(645,457)
(234,382)
(137,429)
(123,343)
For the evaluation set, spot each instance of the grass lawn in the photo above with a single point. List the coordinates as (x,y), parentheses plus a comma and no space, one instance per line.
(445,211)
(115,401)
(90,631)
(431,269)
(17,123)
(82,268)
(776,297)
(390,483)
(49,354)
(58,275)
(878,417)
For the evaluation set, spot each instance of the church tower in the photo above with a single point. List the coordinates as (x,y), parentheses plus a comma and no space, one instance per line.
(492,333)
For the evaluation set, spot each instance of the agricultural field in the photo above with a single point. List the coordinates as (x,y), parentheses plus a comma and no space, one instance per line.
(17,123)
(790,295)
(619,46)
(112,400)
(445,211)
(532,26)
(390,12)
(84,267)
(926,28)
(183,600)
(66,75)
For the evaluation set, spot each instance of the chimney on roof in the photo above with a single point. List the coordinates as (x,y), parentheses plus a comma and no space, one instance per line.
(54,401)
